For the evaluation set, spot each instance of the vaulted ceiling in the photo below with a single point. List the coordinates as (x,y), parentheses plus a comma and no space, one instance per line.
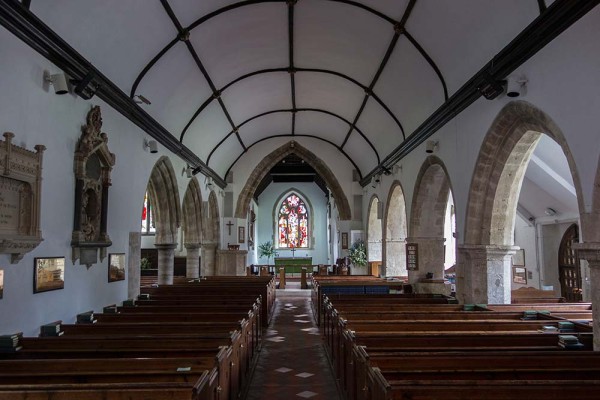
(224,76)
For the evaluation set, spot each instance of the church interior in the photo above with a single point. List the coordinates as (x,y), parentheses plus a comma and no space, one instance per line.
(434,156)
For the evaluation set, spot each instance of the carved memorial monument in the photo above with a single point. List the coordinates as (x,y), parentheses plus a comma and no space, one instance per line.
(20,192)
(93,165)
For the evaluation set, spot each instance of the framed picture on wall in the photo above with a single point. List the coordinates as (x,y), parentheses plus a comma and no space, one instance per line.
(116,267)
(519,257)
(241,234)
(48,274)
(520,275)
(344,240)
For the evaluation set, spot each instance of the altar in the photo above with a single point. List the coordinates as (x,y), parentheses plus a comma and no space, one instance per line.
(293,265)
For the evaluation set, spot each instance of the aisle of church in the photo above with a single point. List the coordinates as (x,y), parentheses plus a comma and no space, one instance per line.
(292,363)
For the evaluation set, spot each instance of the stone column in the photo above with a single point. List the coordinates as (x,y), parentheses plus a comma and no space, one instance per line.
(431,258)
(484,273)
(166,262)
(208,259)
(133,265)
(591,253)
(192,262)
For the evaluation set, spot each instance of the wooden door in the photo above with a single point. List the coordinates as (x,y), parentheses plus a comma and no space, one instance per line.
(568,266)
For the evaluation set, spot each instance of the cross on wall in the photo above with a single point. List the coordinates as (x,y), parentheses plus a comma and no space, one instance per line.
(229,225)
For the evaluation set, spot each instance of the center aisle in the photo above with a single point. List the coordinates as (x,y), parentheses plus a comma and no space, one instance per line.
(292,363)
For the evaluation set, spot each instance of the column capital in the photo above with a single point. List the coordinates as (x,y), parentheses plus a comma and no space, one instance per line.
(589,252)
(489,249)
(166,246)
(415,239)
(191,246)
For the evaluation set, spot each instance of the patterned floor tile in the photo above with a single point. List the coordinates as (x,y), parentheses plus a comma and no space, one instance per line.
(304,374)
(283,370)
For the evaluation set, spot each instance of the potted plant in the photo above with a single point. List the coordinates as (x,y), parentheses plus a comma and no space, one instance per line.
(358,254)
(267,249)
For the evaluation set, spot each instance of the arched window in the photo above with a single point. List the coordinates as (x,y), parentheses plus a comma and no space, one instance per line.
(147,217)
(293,229)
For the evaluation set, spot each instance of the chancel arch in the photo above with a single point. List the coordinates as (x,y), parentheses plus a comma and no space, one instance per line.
(394,251)
(164,197)
(268,162)
(484,262)
(428,221)
(374,232)
(192,227)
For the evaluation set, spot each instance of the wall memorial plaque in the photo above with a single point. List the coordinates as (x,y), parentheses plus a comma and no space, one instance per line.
(93,165)
(412,256)
(20,192)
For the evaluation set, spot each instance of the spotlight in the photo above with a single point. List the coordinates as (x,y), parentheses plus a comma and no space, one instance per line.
(189,172)
(139,99)
(431,146)
(58,81)
(151,145)
(515,86)
(550,212)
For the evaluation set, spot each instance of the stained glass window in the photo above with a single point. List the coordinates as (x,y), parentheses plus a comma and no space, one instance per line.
(293,223)
(147,217)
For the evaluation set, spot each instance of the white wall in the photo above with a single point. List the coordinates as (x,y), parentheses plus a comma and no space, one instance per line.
(525,238)
(265,222)
(37,116)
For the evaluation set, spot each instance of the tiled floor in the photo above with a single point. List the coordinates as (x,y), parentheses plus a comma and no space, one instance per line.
(292,363)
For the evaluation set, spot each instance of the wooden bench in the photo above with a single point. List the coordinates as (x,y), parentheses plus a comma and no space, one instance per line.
(533,295)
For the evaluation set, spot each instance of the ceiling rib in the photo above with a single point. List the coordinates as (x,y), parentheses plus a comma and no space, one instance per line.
(184,35)
(296,70)
(300,135)
(291,4)
(294,111)
(545,28)
(429,60)
(398,29)
(27,27)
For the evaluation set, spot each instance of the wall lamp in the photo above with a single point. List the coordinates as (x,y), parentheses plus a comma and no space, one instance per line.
(515,86)
(188,171)
(431,146)
(58,82)
(151,145)
(139,99)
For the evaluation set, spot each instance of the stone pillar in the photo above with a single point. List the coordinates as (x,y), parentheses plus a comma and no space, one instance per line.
(133,265)
(166,262)
(192,262)
(591,253)
(484,274)
(208,259)
(431,258)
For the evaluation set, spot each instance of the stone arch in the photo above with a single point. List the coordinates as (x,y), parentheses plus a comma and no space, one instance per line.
(192,212)
(500,168)
(484,262)
(427,219)
(311,215)
(374,230)
(212,221)
(277,155)
(164,195)
(395,233)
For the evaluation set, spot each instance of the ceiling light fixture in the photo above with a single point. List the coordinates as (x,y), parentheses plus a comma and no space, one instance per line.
(151,145)
(431,146)
(515,86)
(550,212)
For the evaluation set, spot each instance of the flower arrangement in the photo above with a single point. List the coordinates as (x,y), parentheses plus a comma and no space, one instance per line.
(267,249)
(358,254)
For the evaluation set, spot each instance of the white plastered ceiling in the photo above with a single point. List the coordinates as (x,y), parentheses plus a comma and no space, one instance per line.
(237,63)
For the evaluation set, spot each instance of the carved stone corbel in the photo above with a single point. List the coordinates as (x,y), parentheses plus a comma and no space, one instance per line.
(93,165)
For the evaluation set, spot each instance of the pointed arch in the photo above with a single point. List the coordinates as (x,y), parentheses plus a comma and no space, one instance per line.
(499,171)
(212,220)
(430,199)
(268,162)
(192,213)
(374,230)
(309,211)
(164,195)
(395,233)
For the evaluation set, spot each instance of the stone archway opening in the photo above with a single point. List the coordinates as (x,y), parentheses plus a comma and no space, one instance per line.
(192,227)
(485,260)
(374,234)
(432,223)
(395,233)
